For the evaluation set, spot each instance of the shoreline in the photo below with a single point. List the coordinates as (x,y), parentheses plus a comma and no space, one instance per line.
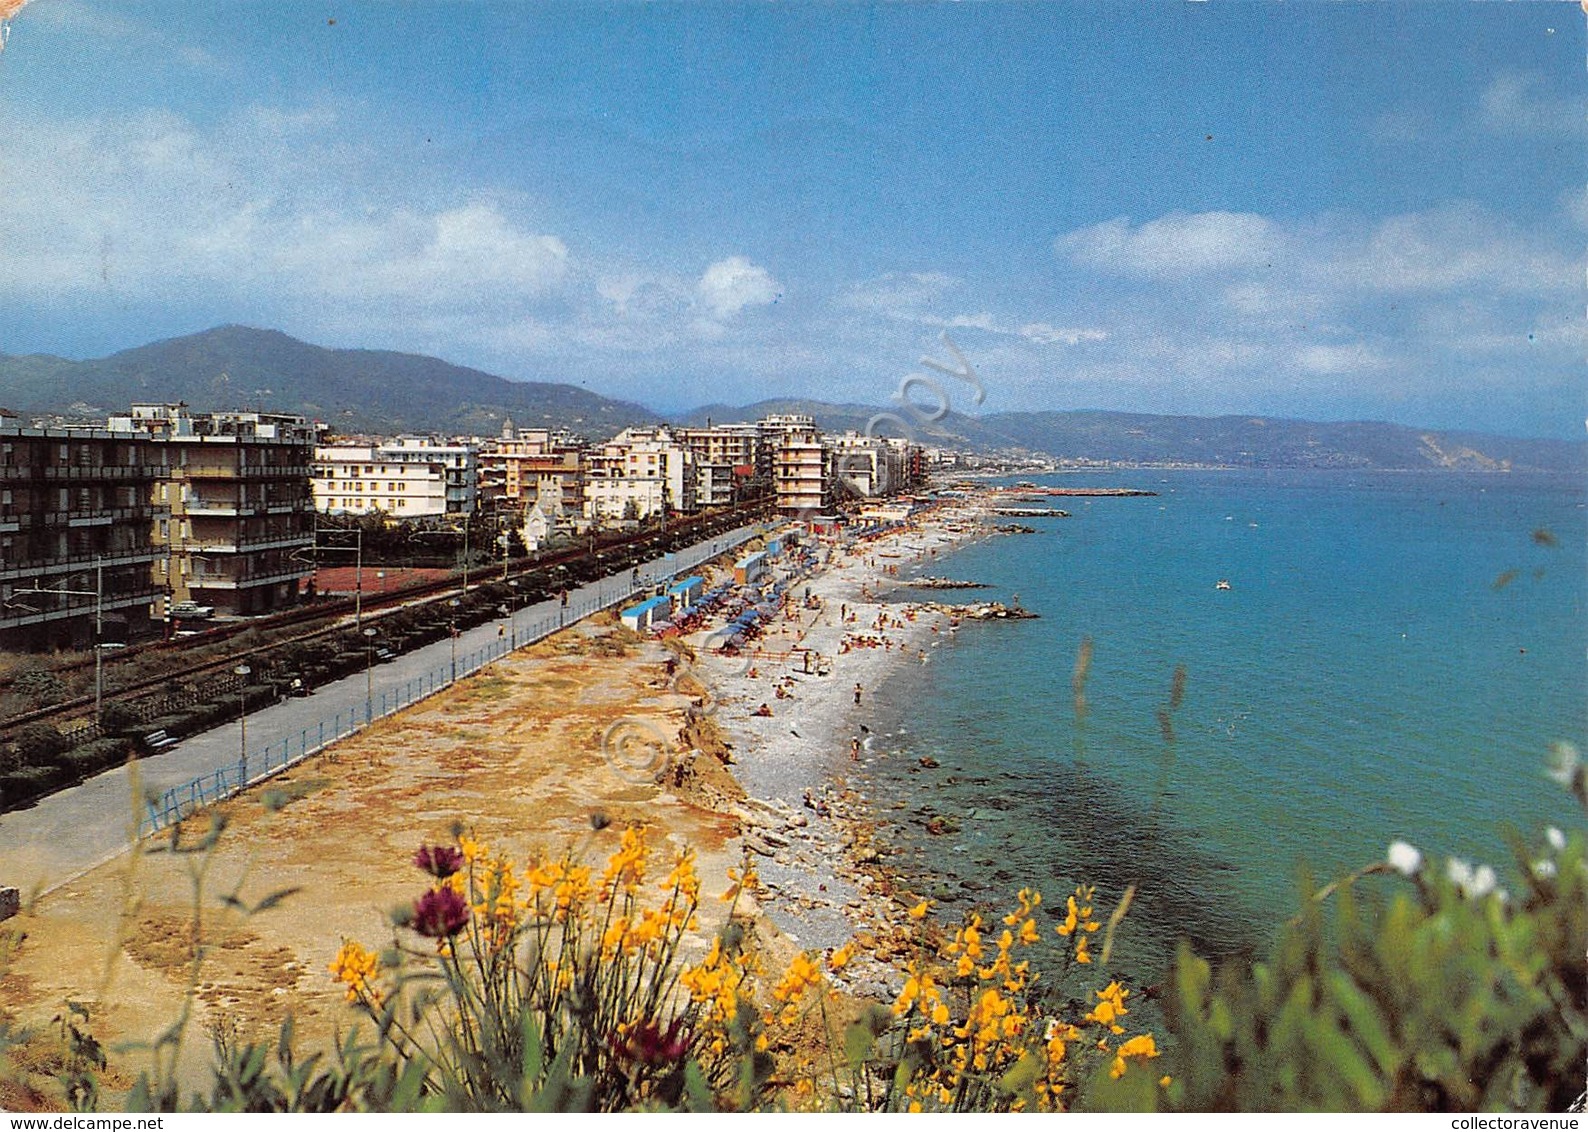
(826,880)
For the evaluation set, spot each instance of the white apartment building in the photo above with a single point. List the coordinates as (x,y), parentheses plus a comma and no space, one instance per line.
(608,499)
(866,466)
(802,473)
(407,478)
(638,473)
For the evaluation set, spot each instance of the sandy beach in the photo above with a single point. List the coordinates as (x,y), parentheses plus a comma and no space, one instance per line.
(523,753)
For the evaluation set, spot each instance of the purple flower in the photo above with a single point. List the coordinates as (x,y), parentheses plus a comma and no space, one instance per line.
(440,913)
(440,861)
(648,1044)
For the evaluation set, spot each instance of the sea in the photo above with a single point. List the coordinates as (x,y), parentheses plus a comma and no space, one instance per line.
(1392,659)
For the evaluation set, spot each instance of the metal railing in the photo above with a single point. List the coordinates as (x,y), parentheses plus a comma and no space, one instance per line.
(255,765)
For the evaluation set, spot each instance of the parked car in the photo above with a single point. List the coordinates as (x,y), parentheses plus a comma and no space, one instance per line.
(192,610)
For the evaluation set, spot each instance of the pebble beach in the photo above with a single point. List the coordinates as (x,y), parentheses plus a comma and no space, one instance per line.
(845,631)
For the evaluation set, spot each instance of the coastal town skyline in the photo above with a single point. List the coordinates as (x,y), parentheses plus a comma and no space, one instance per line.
(1330,213)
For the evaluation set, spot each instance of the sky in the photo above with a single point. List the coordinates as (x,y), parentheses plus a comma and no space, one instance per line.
(1329,211)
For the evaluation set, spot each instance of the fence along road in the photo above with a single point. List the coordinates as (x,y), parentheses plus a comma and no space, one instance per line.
(70,832)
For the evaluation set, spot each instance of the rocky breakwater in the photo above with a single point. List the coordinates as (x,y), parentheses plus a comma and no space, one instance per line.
(982,611)
(944,584)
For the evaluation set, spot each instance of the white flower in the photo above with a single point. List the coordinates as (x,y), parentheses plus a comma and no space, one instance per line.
(1544,868)
(1556,839)
(1475,883)
(1404,858)
(1563,761)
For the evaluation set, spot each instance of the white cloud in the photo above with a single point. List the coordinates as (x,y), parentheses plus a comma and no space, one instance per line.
(1271,264)
(911,296)
(1331,308)
(1514,105)
(1352,358)
(470,250)
(256,209)
(1176,245)
(899,293)
(730,285)
(1448,248)
(1575,204)
(1046,335)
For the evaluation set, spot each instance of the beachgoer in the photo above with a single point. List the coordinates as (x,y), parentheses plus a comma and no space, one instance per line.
(854,749)
(857,695)
(763,710)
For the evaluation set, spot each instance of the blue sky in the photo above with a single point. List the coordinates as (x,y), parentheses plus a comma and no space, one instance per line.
(1336,211)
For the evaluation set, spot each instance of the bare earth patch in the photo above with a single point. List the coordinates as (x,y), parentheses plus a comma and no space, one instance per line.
(513,753)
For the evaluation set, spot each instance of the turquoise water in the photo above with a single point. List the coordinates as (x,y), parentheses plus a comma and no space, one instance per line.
(1393,658)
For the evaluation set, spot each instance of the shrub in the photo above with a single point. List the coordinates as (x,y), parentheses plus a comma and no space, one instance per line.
(121,718)
(38,744)
(26,783)
(41,687)
(1453,996)
(91,758)
(568,988)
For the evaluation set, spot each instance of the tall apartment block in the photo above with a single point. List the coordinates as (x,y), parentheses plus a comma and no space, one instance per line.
(802,474)
(526,467)
(727,457)
(77,515)
(241,514)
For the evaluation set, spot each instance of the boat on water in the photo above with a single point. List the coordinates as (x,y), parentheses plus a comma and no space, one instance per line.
(1222,584)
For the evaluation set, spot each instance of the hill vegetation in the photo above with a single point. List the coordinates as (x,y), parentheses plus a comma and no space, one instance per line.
(351,390)
(382,391)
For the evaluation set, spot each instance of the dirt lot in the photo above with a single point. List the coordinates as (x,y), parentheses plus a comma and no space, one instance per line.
(515,753)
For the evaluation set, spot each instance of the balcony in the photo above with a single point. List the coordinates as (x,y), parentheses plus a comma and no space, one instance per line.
(252,472)
(54,566)
(101,473)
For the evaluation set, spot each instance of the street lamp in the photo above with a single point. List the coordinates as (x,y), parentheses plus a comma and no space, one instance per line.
(369,675)
(243,671)
(453,605)
(513,600)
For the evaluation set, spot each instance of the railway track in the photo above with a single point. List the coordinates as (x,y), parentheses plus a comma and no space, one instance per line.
(605,557)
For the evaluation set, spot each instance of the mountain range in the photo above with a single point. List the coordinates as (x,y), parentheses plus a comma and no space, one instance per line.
(382,391)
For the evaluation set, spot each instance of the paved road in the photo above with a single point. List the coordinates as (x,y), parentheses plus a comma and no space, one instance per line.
(70,832)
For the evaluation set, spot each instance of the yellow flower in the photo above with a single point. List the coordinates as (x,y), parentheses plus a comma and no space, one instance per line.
(801,975)
(1081,954)
(1030,901)
(356,968)
(840,958)
(1071,919)
(1110,1006)
(682,880)
(626,867)
(920,910)
(1142,1047)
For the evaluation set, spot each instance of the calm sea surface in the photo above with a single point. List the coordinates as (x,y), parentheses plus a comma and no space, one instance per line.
(1393,658)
